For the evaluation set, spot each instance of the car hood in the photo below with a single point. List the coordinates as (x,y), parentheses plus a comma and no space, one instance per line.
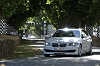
(63,39)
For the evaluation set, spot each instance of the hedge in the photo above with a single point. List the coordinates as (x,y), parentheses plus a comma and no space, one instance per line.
(8,45)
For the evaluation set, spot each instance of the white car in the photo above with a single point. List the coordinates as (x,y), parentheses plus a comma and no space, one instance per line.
(68,42)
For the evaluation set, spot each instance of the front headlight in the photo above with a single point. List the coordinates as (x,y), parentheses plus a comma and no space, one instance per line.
(73,44)
(47,44)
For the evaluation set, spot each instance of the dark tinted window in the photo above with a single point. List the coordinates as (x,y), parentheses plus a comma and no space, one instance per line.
(69,33)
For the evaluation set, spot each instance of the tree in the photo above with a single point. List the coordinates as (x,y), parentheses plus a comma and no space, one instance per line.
(16,12)
(60,13)
(73,13)
(10,7)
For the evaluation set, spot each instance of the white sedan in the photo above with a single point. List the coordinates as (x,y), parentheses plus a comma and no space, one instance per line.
(68,42)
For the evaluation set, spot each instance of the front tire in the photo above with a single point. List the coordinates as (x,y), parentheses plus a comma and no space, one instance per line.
(46,55)
(90,50)
(80,50)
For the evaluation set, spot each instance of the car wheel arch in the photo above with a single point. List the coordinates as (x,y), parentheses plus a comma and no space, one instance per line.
(80,48)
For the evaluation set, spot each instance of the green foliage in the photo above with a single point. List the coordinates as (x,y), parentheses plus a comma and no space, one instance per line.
(73,13)
(10,7)
(60,13)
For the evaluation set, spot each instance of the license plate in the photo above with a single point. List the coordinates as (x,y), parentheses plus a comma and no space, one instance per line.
(59,48)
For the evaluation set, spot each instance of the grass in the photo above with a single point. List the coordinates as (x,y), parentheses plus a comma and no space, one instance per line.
(25,49)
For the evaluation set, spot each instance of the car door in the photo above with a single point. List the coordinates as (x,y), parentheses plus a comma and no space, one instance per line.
(84,42)
(86,39)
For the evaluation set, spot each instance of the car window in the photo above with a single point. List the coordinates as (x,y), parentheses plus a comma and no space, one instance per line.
(87,34)
(84,34)
(69,33)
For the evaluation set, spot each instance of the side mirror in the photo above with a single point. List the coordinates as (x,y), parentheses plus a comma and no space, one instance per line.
(82,36)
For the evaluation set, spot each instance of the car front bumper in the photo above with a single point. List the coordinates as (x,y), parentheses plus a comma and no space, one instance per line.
(65,51)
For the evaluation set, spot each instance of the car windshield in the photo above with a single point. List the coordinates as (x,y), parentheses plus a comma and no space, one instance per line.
(68,33)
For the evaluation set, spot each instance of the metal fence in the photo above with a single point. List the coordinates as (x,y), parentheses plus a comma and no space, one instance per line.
(91,30)
(6,28)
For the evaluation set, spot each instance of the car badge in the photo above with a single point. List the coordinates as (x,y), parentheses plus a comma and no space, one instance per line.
(58,43)
(57,40)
